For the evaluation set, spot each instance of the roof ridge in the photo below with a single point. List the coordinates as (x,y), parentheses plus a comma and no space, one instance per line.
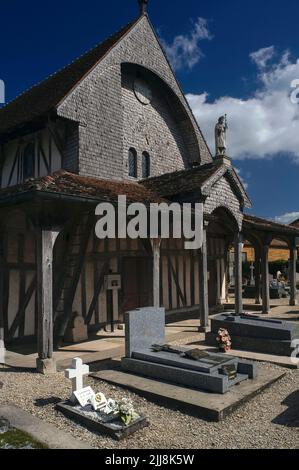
(71,63)
(58,85)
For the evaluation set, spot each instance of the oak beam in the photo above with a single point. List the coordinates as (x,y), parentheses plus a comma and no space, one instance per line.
(265,280)
(156,245)
(238,273)
(203,284)
(45,242)
(293,273)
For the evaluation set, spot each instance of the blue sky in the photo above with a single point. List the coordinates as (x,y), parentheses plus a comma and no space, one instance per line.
(214,62)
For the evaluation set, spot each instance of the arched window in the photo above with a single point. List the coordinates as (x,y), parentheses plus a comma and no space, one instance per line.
(132,163)
(146,165)
(28,161)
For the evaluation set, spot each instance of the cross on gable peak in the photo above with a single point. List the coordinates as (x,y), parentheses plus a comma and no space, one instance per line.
(143,6)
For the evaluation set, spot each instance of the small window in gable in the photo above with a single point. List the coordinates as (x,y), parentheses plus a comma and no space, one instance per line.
(132,163)
(146,165)
(28,161)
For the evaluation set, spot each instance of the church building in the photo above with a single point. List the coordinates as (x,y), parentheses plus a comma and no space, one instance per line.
(115,122)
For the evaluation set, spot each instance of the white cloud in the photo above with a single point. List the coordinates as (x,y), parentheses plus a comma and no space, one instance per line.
(184,51)
(242,177)
(262,56)
(287,218)
(266,124)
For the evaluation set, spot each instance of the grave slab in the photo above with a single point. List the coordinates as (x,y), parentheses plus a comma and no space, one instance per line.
(212,407)
(108,424)
(215,383)
(208,365)
(252,333)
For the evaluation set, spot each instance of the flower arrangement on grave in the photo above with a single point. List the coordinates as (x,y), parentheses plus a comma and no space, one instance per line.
(224,340)
(122,409)
(125,411)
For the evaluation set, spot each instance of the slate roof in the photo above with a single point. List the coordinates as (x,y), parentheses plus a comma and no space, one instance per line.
(45,96)
(70,184)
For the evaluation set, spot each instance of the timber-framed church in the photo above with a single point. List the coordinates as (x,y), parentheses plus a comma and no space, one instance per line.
(114,122)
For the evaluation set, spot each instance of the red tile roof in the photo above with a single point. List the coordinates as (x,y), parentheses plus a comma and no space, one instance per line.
(69,184)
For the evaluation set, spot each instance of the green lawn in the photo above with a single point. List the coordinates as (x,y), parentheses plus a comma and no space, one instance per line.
(15,439)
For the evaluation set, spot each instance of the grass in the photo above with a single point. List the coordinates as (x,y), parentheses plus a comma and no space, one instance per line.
(15,439)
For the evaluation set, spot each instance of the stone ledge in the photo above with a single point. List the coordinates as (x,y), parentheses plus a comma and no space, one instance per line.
(208,406)
(41,431)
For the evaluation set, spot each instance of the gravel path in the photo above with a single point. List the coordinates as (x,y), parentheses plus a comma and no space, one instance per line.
(251,426)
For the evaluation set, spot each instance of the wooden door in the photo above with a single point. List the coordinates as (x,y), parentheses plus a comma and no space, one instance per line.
(136,283)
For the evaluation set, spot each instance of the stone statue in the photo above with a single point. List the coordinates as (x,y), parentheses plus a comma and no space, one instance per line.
(220,136)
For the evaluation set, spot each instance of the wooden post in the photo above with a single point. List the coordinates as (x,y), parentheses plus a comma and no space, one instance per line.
(223,281)
(293,273)
(265,279)
(203,284)
(238,274)
(156,244)
(257,278)
(2,337)
(2,343)
(44,253)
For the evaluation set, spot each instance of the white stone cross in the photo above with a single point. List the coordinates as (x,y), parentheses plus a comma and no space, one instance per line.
(76,373)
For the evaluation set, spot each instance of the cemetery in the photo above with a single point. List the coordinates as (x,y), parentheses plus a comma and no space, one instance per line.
(136,341)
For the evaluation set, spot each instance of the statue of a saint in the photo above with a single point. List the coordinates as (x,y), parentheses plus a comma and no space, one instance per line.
(220,136)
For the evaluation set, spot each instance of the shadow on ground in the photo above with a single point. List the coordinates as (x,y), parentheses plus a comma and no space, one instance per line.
(289,417)
(41,402)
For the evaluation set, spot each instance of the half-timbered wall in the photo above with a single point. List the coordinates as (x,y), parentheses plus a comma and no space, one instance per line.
(51,151)
(19,271)
(179,287)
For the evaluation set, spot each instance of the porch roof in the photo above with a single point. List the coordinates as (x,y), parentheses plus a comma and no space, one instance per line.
(65,184)
(251,222)
(198,180)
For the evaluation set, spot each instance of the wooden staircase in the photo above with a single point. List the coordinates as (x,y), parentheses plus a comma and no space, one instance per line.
(67,280)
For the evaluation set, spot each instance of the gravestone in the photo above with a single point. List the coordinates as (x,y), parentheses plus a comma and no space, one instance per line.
(146,355)
(77,330)
(144,327)
(257,334)
(76,373)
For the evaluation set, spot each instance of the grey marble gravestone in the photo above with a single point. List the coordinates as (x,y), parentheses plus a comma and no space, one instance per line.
(146,327)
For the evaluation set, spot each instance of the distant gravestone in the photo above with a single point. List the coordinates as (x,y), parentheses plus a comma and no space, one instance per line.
(77,330)
(144,327)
